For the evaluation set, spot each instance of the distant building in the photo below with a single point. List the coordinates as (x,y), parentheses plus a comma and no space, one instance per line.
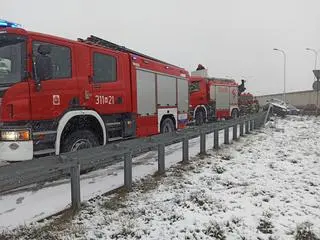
(300,99)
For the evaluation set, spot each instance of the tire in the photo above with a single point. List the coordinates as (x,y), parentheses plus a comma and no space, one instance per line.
(234,114)
(200,118)
(167,125)
(80,139)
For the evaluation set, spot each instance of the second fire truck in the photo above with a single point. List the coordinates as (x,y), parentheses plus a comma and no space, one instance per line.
(212,98)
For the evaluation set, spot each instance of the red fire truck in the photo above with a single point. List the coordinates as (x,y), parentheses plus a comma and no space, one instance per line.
(58,95)
(212,98)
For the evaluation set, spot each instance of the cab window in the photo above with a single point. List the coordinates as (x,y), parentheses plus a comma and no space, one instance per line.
(104,68)
(52,61)
(194,86)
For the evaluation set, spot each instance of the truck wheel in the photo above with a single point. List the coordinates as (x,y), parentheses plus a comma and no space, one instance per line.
(234,114)
(200,119)
(167,126)
(80,139)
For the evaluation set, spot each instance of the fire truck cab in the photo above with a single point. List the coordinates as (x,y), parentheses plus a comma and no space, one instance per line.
(59,95)
(212,98)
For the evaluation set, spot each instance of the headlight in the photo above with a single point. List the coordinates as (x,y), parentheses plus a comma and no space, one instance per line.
(15,135)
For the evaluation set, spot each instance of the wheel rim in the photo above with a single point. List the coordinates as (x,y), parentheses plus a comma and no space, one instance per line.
(80,144)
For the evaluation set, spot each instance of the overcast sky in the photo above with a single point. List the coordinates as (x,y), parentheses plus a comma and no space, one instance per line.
(232,38)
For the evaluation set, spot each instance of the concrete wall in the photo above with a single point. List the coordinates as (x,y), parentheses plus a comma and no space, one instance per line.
(298,99)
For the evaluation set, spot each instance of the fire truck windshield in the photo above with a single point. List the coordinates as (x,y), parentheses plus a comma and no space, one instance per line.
(12,59)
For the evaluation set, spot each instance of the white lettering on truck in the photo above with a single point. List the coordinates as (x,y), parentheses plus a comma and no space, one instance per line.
(104,99)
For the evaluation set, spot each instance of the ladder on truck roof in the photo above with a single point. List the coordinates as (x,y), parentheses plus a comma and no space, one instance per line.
(107,44)
(222,80)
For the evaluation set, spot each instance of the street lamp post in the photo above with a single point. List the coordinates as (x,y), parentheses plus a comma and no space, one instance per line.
(284,73)
(315,79)
(316,56)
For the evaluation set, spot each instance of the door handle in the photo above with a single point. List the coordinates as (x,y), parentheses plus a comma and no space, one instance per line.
(119,100)
(96,86)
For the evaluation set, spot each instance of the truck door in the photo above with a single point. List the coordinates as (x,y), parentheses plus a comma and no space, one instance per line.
(198,92)
(58,84)
(110,82)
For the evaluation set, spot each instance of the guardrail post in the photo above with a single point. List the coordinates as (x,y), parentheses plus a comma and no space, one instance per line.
(235,132)
(185,150)
(128,171)
(241,129)
(161,158)
(247,127)
(202,143)
(252,125)
(226,135)
(75,187)
(216,139)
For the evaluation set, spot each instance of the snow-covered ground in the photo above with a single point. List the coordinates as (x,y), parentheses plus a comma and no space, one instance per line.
(33,203)
(261,187)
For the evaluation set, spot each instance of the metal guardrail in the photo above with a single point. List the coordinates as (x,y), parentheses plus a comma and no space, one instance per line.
(20,174)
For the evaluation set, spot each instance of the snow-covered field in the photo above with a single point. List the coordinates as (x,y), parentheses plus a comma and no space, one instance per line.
(33,203)
(265,186)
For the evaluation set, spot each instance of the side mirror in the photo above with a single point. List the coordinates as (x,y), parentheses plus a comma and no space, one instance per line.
(42,65)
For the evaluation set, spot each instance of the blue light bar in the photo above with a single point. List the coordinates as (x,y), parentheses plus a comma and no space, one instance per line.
(4,23)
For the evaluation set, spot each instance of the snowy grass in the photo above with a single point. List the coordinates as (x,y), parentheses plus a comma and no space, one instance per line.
(264,186)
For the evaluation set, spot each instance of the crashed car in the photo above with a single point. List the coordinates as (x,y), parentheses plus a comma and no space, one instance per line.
(278,107)
(281,108)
